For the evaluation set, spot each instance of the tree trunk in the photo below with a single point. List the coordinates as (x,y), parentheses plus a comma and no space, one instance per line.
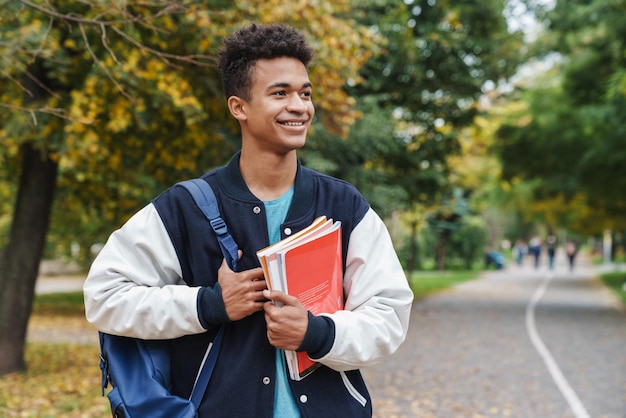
(19,262)
(441,252)
(410,264)
(413,262)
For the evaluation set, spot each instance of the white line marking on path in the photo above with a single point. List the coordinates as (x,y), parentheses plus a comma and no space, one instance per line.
(567,391)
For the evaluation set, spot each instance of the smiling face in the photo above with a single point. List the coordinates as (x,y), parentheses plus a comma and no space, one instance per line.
(280,108)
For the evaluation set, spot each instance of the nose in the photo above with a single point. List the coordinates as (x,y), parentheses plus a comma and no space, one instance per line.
(297,104)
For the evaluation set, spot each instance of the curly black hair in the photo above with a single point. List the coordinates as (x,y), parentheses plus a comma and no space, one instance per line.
(243,48)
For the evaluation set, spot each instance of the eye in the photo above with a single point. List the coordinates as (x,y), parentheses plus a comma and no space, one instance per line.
(280,93)
(307,94)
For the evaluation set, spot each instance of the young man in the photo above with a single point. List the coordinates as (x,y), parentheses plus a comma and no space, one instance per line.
(161,276)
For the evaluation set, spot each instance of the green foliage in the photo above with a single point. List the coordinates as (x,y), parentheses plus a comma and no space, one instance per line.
(616,281)
(572,137)
(547,147)
(464,246)
(437,57)
(453,237)
(468,242)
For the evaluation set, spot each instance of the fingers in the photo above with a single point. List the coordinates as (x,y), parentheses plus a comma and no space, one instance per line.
(242,292)
(254,274)
(286,320)
(281,298)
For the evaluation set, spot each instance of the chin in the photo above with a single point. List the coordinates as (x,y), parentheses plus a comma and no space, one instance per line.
(300,145)
(296,143)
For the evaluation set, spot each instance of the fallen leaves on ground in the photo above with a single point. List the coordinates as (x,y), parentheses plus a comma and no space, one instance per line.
(62,380)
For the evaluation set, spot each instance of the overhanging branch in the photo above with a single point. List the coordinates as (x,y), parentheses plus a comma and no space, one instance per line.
(169,8)
(54,111)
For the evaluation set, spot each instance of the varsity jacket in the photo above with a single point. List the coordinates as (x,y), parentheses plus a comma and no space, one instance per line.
(156,278)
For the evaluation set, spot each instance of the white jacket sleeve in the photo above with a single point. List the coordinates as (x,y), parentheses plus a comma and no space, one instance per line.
(378,304)
(135,288)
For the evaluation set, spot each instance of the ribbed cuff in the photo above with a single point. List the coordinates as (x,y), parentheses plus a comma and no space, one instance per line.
(319,337)
(211,309)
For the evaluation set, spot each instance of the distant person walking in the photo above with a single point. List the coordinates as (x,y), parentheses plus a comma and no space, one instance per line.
(535,249)
(520,249)
(571,249)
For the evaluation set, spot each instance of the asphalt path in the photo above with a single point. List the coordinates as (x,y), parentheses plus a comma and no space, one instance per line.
(521,342)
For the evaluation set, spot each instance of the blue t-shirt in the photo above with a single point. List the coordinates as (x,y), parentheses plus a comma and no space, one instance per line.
(284,403)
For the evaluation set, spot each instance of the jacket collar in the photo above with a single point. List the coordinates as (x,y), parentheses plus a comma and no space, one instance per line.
(235,187)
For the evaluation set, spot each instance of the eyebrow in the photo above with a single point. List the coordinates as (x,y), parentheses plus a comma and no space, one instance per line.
(285,85)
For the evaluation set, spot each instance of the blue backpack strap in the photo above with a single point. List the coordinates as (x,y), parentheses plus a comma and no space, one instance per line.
(203,194)
(204,197)
(206,369)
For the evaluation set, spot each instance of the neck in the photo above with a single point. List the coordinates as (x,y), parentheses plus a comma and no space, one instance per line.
(268,176)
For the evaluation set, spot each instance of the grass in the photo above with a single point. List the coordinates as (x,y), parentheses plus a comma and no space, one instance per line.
(61,304)
(425,283)
(616,282)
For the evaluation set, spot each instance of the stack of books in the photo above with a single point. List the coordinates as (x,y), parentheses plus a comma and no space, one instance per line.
(307,265)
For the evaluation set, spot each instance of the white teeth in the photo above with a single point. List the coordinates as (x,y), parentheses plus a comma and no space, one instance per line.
(294,123)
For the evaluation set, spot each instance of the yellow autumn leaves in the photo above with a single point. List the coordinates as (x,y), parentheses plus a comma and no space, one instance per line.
(62,380)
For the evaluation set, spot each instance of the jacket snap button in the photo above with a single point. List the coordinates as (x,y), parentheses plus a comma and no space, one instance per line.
(303,398)
(256,210)
(287,231)
(266,380)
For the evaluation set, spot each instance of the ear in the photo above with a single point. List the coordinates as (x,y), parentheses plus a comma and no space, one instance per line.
(238,108)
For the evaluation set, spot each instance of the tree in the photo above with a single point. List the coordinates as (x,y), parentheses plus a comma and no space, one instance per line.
(572,137)
(106,103)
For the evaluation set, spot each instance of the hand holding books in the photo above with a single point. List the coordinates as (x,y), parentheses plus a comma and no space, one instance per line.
(287,324)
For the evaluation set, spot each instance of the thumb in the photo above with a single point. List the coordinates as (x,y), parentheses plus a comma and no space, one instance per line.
(280,297)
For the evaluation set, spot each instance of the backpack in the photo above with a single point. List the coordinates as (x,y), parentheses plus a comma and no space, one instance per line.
(139,370)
